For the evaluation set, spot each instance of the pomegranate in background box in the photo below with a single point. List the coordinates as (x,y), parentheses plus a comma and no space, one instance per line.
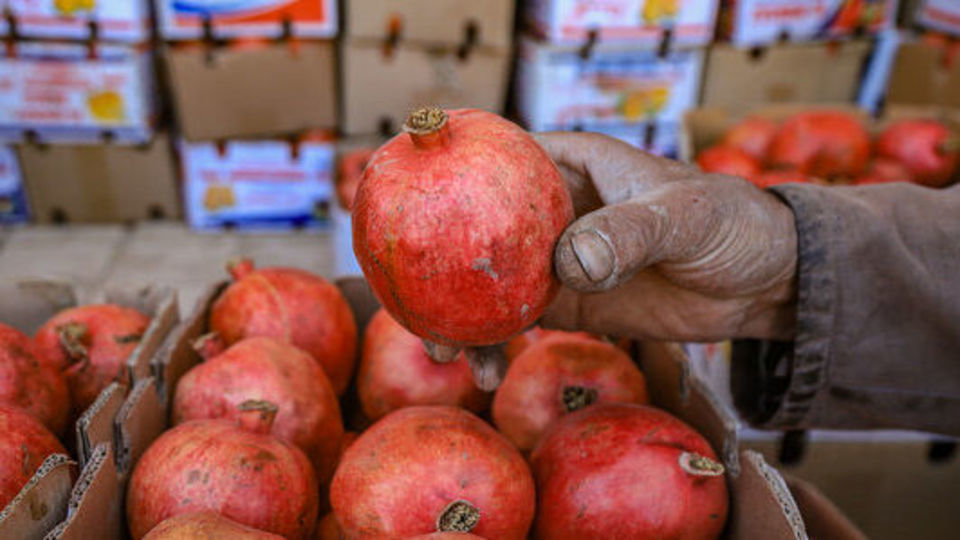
(926,148)
(291,305)
(517,345)
(766,179)
(396,372)
(627,471)
(884,170)
(205,525)
(753,136)
(349,174)
(25,383)
(455,224)
(432,469)
(90,345)
(728,160)
(821,143)
(24,444)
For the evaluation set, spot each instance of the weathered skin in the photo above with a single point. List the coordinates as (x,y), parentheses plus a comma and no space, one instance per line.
(396,372)
(105,337)
(205,525)
(728,160)
(24,444)
(404,471)
(613,471)
(821,143)
(267,369)
(294,306)
(753,135)
(456,235)
(250,477)
(532,395)
(927,149)
(29,385)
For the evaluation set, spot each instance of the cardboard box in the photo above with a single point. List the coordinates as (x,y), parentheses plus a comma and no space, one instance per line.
(433,22)
(942,15)
(254,91)
(761,22)
(381,85)
(56,93)
(49,496)
(257,184)
(921,79)
(115,20)
(739,80)
(13,198)
(102,183)
(659,138)
(873,88)
(642,23)
(186,19)
(614,86)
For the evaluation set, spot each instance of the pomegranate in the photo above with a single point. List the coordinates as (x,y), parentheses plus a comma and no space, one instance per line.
(205,525)
(396,372)
(560,375)
(766,179)
(432,469)
(728,160)
(518,344)
(350,172)
(29,385)
(234,467)
(328,528)
(446,536)
(24,444)
(292,305)
(90,346)
(753,136)
(619,470)
(455,224)
(821,143)
(882,170)
(926,148)
(263,368)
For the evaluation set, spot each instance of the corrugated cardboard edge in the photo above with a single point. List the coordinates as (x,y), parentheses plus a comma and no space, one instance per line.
(97,488)
(140,420)
(95,425)
(760,486)
(820,516)
(42,502)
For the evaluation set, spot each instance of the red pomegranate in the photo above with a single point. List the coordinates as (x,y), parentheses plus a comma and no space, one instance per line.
(926,148)
(518,344)
(432,469)
(266,369)
(728,160)
(350,171)
(234,467)
(821,143)
(882,171)
(753,136)
(24,444)
(205,525)
(446,536)
(627,471)
(766,179)
(455,224)
(27,384)
(90,346)
(560,375)
(292,305)
(396,372)
(328,528)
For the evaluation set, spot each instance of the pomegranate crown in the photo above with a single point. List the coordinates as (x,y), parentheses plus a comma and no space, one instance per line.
(425,120)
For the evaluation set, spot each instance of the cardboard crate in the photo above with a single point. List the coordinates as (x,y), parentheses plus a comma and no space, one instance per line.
(941,15)
(749,23)
(100,183)
(921,79)
(49,496)
(382,84)
(194,19)
(13,198)
(260,90)
(111,20)
(432,22)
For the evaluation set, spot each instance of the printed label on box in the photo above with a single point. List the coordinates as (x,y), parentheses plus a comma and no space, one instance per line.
(257,184)
(943,15)
(661,139)
(758,22)
(641,22)
(55,91)
(613,87)
(116,20)
(184,19)
(13,199)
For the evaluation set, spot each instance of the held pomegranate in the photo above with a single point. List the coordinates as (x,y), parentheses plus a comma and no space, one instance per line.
(27,384)
(24,444)
(560,375)
(727,160)
(292,305)
(395,372)
(926,148)
(753,136)
(90,346)
(627,471)
(262,368)
(236,468)
(821,143)
(205,525)
(454,226)
(432,469)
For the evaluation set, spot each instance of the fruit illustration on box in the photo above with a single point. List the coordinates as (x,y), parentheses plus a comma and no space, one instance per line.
(855,14)
(640,103)
(658,11)
(71,7)
(217,197)
(106,106)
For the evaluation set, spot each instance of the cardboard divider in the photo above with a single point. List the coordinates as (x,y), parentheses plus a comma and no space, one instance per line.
(95,425)
(95,509)
(42,503)
(140,420)
(161,302)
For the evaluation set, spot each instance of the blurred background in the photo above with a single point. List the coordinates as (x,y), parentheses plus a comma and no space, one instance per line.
(150,140)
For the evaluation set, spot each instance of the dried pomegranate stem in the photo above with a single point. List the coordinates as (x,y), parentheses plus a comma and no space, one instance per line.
(209,345)
(458,516)
(71,337)
(428,128)
(256,416)
(240,268)
(578,397)
(699,465)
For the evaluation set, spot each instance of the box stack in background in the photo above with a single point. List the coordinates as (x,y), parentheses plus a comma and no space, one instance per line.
(253,86)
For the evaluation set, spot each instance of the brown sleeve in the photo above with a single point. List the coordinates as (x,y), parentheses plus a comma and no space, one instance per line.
(878,321)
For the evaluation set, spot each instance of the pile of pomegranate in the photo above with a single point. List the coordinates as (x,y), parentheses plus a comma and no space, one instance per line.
(835,147)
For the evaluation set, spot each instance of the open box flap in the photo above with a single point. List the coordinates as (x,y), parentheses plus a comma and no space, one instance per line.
(42,502)
(95,509)
(762,506)
(821,517)
(27,304)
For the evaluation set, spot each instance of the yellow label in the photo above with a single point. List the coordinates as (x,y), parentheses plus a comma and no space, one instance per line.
(655,11)
(70,7)
(217,197)
(106,106)
(637,104)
